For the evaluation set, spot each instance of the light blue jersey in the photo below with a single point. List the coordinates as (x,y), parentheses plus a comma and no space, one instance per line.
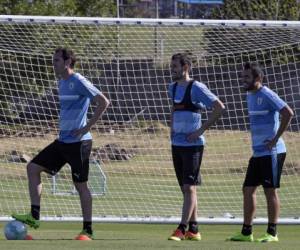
(263,107)
(186,122)
(75,95)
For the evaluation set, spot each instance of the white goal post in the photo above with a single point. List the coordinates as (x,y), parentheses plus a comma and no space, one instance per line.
(128,59)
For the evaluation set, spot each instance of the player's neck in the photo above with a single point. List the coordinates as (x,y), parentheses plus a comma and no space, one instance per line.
(184,80)
(257,87)
(67,74)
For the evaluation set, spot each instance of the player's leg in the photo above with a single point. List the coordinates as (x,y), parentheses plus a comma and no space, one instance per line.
(249,198)
(192,162)
(188,171)
(272,174)
(77,155)
(34,182)
(48,160)
(179,232)
(189,212)
(249,208)
(252,180)
(86,207)
(189,202)
(273,205)
(193,230)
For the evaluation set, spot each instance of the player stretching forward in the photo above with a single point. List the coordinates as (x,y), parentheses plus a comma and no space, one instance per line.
(188,97)
(265,165)
(74,143)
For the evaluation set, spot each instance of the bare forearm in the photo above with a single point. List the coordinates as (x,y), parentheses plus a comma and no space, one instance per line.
(286,117)
(102,104)
(97,114)
(215,115)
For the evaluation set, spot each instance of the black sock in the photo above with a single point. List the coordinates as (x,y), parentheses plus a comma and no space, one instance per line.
(35,211)
(193,227)
(247,229)
(182,228)
(87,226)
(272,229)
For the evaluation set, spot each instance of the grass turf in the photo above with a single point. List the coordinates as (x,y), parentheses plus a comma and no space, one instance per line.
(58,235)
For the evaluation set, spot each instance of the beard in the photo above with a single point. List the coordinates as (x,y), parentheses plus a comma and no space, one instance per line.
(249,87)
(176,77)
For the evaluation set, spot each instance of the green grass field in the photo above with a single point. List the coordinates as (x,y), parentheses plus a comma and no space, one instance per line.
(146,184)
(59,236)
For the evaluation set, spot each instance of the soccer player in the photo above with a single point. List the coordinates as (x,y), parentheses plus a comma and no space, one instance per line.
(74,143)
(189,97)
(269,151)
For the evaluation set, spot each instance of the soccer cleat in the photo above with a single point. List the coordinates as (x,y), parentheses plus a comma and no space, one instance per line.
(267,238)
(27,219)
(177,235)
(241,237)
(84,235)
(192,236)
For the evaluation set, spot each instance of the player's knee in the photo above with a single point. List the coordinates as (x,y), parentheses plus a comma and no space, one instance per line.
(189,189)
(33,168)
(81,187)
(249,192)
(270,193)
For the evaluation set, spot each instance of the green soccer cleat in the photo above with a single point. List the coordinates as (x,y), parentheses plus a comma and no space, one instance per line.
(27,219)
(241,237)
(267,238)
(84,235)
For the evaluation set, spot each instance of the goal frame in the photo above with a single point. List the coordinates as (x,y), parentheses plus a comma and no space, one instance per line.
(153,22)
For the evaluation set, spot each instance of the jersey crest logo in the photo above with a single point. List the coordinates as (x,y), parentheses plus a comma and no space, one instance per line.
(71,85)
(259,101)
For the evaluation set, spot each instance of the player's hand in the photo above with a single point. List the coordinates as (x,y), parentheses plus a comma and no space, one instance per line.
(194,136)
(80,132)
(271,143)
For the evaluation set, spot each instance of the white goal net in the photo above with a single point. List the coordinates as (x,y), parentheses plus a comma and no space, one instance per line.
(132,176)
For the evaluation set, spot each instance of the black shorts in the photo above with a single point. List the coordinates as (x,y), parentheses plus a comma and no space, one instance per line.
(187,161)
(265,170)
(57,154)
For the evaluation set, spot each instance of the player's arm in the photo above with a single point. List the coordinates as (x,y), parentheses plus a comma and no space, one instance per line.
(217,109)
(171,122)
(286,114)
(101,104)
(170,93)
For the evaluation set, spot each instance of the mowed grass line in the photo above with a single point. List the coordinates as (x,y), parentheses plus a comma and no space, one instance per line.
(215,197)
(58,235)
(146,184)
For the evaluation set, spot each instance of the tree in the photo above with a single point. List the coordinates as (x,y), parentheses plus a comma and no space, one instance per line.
(258,10)
(100,8)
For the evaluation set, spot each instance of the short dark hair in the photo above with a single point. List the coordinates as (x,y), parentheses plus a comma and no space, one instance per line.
(67,54)
(183,59)
(255,69)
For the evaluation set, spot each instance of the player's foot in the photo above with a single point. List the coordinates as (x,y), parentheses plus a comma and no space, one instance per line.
(241,237)
(177,235)
(27,219)
(192,236)
(84,235)
(267,238)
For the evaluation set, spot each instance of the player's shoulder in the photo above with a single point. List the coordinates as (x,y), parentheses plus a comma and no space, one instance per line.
(267,92)
(198,85)
(78,77)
